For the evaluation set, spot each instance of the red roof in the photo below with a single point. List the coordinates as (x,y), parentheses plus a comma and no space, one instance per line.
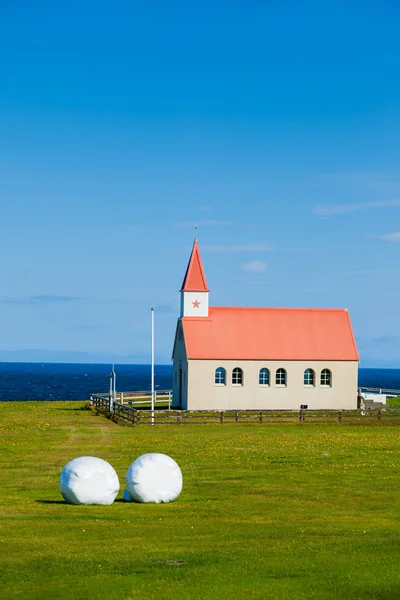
(270,334)
(195,280)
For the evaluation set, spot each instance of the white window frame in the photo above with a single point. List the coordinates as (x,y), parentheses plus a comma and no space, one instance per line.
(267,372)
(326,385)
(220,383)
(282,385)
(238,371)
(311,372)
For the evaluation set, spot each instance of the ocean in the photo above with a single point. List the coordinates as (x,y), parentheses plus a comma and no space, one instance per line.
(62,381)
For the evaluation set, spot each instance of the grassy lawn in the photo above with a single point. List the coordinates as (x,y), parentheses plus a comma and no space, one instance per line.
(393,401)
(147,406)
(267,511)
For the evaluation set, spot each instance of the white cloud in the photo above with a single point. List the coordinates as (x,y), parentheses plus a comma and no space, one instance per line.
(343,209)
(219,223)
(42,299)
(390,237)
(380,182)
(204,223)
(239,248)
(306,250)
(172,306)
(255,266)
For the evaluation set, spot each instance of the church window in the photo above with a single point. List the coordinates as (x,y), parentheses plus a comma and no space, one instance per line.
(309,377)
(220,376)
(280,378)
(326,378)
(237,376)
(263,376)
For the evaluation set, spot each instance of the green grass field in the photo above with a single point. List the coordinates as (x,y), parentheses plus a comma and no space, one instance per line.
(393,401)
(267,511)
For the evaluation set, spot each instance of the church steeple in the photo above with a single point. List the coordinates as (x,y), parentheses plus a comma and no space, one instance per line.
(194,290)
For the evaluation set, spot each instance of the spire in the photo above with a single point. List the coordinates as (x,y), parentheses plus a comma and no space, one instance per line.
(195,280)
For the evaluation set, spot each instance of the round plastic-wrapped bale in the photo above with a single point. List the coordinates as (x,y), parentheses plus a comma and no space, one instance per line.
(153,478)
(89,480)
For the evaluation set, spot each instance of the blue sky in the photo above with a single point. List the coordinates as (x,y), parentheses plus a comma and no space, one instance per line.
(273,126)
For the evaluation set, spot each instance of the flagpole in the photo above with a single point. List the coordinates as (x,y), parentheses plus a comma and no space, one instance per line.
(111,388)
(152,366)
(114,387)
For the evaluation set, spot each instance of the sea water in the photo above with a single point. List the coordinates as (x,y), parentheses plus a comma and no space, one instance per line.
(62,381)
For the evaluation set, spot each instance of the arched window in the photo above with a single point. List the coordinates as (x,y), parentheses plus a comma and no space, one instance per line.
(237,376)
(309,377)
(326,378)
(263,376)
(280,378)
(220,376)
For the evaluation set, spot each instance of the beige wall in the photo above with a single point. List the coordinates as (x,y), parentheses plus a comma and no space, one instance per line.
(204,394)
(179,359)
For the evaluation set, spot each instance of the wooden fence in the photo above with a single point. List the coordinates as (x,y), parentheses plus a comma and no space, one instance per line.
(140,398)
(379,390)
(134,416)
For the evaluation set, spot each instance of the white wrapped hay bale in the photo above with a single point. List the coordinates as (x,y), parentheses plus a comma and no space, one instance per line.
(153,477)
(89,480)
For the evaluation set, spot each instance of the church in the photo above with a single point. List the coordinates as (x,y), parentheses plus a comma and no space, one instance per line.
(238,358)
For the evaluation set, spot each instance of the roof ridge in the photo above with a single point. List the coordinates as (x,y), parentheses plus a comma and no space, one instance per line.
(278,308)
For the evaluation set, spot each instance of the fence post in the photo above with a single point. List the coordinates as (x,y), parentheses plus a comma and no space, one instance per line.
(379,415)
(221,419)
(340,416)
(178,419)
(261,415)
(236,416)
(169,399)
(301,416)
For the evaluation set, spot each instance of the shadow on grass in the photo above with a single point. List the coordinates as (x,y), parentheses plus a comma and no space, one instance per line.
(75,409)
(51,501)
(64,502)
